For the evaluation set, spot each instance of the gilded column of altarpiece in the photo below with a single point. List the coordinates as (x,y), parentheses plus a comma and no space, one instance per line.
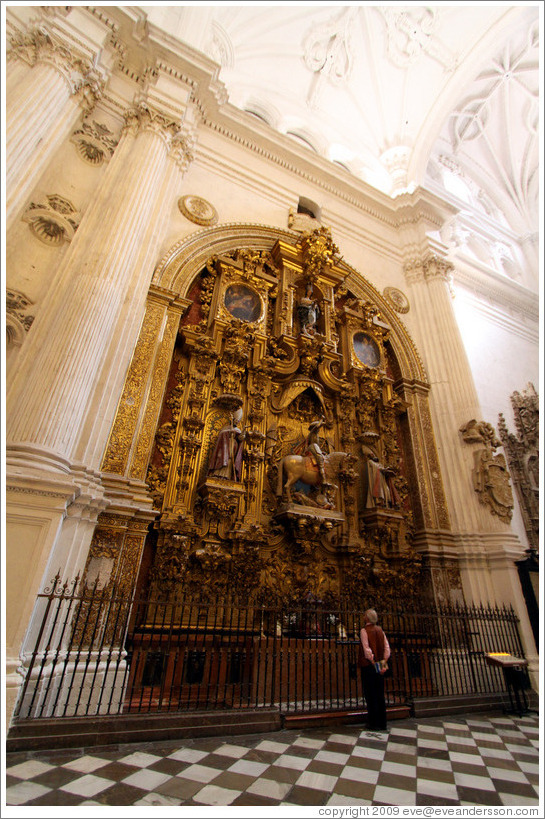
(277,365)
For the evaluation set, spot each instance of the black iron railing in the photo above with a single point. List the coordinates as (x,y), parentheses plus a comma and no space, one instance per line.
(95,652)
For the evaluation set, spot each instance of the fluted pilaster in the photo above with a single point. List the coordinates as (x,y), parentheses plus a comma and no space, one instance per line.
(80,346)
(453,397)
(47,85)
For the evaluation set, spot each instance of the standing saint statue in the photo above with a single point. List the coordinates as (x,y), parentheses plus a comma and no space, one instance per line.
(378,484)
(308,312)
(226,458)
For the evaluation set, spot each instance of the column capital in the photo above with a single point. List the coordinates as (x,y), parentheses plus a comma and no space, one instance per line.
(36,45)
(428,267)
(145,117)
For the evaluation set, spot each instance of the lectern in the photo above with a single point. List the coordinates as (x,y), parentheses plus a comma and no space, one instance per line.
(515,678)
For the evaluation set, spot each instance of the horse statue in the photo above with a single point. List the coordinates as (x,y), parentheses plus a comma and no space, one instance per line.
(302,467)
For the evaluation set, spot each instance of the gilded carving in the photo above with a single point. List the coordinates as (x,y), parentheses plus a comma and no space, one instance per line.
(319,252)
(522,451)
(243,348)
(141,456)
(124,427)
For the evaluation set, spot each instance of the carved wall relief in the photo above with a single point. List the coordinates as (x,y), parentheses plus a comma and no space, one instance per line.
(490,475)
(18,318)
(95,142)
(522,452)
(53,221)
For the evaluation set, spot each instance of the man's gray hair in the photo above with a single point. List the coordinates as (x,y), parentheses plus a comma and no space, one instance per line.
(371,616)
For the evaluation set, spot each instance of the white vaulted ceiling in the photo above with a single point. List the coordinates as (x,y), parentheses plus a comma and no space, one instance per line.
(444,96)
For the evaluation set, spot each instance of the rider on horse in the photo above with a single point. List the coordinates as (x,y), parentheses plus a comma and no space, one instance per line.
(311,446)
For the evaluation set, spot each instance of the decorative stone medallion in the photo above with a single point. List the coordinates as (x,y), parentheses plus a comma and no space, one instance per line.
(198,210)
(398,299)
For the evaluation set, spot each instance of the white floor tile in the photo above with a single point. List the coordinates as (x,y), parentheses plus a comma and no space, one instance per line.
(399,769)
(29,769)
(339,799)
(482,783)
(359,774)
(393,796)
(88,785)
(496,753)
(429,729)
(508,774)
(318,781)
(248,767)
(433,744)
(343,738)
(140,759)
(513,799)
(24,792)
(86,764)
(368,753)
(235,751)
(333,757)
(298,763)
(214,795)
(395,731)
(156,799)
(529,767)
(145,779)
(269,788)
(188,755)
(431,787)
(273,747)
(467,759)
(200,773)
(452,740)
(402,748)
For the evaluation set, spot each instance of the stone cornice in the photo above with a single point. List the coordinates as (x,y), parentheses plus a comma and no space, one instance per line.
(150,53)
(501,291)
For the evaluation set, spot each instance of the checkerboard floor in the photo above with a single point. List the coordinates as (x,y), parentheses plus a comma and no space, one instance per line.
(468,760)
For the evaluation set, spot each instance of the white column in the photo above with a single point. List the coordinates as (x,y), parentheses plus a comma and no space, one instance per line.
(453,397)
(71,369)
(105,274)
(45,85)
(485,546)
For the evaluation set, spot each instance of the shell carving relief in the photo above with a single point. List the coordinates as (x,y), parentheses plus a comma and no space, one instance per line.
(54,221)
(95,142)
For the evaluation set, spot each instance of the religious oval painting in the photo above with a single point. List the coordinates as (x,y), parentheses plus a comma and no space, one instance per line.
(366,349)
(242,302)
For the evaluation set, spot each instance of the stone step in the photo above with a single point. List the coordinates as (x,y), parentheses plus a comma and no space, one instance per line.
(80,732)
(467,703)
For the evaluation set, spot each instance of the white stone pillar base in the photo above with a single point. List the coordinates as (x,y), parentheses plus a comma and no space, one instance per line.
(71,686)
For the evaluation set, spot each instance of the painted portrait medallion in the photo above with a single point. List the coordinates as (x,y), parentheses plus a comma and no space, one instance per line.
(366,350)
(242,302)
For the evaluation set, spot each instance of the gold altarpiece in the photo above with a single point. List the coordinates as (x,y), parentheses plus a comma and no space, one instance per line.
(260,344)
